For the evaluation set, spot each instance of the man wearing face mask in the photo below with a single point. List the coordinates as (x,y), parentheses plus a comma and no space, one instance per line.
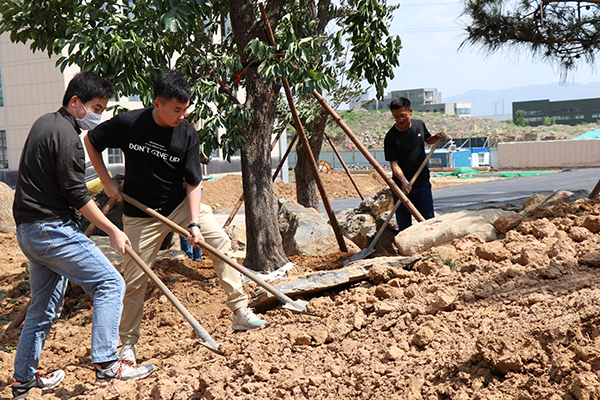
(50,188)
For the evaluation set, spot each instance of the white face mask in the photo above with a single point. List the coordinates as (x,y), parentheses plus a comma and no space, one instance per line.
(90,121)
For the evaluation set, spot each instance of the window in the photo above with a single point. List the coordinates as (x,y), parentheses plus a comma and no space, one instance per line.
(3,150)
(536,112)
(534,119)
(564,117)
(1,96)
(568,110)
(115,156)
(463,111)
(481,159)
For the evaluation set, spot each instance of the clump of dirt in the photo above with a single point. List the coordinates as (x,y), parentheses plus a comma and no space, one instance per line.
(514,318)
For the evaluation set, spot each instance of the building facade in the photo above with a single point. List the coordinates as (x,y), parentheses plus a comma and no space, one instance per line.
(31,85)
(566,112)
(422,100)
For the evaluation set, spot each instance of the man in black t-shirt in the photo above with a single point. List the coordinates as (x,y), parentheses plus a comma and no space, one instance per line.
(162,170)
(404,148)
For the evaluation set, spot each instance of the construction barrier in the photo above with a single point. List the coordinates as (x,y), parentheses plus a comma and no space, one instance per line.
(549,154)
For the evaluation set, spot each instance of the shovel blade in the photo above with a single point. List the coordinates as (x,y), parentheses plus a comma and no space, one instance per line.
(216,350)
(297,306)
(364,253)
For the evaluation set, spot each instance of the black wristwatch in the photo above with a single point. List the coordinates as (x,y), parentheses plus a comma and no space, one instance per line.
(194,224)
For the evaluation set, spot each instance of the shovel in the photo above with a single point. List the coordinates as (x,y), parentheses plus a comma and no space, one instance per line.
(297,306)
(369,250)
(209,343)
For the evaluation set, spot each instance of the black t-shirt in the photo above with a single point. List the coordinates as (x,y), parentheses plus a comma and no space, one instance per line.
(407,148)
(50,185)
(158,161)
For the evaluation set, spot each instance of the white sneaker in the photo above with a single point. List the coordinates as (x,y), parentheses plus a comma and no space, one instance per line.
(128,353)
(246,319)
(20,389)
(122,370)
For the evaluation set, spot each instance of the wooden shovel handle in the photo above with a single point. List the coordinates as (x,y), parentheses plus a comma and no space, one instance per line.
(424,163)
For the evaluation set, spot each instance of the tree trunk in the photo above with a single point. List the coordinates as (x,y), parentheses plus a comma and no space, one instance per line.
(306,186)
(264,248)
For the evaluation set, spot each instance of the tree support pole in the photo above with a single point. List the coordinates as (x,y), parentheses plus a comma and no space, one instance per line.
(410,206)
(344,165)
(306,144)
(241,200)
(595,191)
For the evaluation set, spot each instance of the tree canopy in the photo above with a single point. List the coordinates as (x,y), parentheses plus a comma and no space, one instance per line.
(218,44)
(564,33)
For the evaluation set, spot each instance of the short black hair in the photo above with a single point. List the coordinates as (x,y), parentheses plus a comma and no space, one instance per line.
(171,85)
(88,85)
(400,102)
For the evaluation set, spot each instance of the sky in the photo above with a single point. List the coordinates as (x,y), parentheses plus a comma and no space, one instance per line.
(431,32)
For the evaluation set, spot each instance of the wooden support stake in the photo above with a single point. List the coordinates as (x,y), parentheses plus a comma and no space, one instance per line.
(306,144)
(241,200)
(344,165)
(595,191)
(397,191)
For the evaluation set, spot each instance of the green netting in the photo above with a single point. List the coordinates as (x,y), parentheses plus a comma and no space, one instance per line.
(593,134)
(465,173)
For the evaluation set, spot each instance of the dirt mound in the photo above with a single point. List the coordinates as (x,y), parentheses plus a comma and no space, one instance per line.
(223,194)
(371,127)
(511,319)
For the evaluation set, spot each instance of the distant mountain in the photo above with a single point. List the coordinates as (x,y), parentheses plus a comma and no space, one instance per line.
(485,102)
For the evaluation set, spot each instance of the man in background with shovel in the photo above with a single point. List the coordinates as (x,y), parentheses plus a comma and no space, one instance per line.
(162,170)
(50,188)
(404,147)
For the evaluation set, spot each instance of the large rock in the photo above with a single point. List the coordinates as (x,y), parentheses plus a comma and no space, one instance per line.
(382,202)
(444,229)
(237,236)
(7,197)
(304,232)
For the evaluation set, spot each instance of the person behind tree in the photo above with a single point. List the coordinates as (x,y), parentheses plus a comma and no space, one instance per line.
(162,170)
(50,188)
(404,148)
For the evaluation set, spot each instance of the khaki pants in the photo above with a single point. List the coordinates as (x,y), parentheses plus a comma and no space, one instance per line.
(146,235)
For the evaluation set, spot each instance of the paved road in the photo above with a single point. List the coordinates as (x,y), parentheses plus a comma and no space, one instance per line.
(501,190)
(508,189)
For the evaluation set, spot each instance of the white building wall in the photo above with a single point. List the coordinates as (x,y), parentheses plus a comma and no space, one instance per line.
(549,154)
(31,86)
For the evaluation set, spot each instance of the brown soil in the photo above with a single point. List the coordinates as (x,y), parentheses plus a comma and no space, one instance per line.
(512,319)
(223,194)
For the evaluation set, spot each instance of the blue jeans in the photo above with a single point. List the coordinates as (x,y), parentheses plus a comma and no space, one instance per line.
(422,199)
(195,253)
(57,252)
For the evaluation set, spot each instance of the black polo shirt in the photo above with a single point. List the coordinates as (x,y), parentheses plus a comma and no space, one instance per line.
(407,148)
(50,185)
